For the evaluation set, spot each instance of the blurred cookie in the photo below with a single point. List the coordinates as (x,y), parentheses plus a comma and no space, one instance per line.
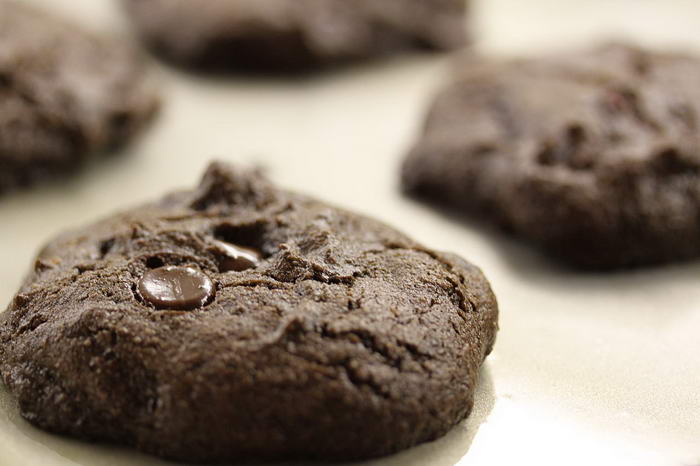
(287,35)
(594,155)
(241,321)
(64,94)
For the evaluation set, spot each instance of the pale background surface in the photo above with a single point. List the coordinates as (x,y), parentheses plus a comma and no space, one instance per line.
(588,369)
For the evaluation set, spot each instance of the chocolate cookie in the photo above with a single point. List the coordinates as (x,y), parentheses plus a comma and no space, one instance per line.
(239,321)
(64,94)
(593,155)
(290,35)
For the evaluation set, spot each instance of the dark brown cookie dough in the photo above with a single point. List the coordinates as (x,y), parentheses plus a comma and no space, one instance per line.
(593,155)
(288,35)
(238,321)
(64,94)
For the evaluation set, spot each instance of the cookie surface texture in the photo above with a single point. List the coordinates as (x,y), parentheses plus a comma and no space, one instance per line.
(592,155)
(239,320)
(65,94)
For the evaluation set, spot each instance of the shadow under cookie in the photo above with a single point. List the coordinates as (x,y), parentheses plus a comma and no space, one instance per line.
(293,37)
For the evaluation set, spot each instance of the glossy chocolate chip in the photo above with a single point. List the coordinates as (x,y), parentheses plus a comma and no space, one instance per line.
(176,287)
(234,258)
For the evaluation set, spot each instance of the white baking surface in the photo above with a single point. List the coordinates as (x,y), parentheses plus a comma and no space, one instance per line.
(588,369)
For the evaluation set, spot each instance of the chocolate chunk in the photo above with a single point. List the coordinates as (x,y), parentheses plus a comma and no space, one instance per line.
(172,287)
(234,258)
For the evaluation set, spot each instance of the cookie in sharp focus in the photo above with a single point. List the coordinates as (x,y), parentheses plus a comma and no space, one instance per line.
(593,155)
(293,35)
(242,321)
(64,95)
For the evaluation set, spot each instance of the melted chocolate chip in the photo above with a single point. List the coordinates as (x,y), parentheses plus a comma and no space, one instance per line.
(235,258)
(175,287)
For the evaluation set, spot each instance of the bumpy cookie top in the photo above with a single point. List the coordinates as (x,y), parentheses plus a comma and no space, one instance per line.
(593,154)
(63,94)
(241,320)
(281,34)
